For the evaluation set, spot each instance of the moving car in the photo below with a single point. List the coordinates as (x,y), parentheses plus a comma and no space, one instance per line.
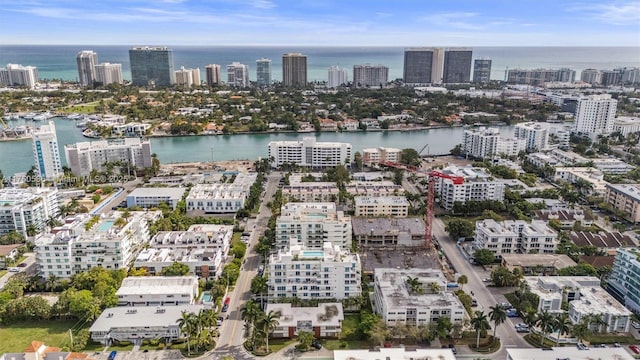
(474,303)
(453,349)
(22,265)
(14,269)
(112,355)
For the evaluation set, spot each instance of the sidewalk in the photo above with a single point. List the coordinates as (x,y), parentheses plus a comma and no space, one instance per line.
(289,352)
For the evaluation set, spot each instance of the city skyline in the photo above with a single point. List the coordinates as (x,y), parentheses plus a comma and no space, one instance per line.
(264,22)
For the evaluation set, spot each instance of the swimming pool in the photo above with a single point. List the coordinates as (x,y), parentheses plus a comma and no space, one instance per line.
(312,253)
(105,226)
(206,297)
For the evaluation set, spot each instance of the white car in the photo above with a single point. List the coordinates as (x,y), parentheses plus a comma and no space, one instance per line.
(14,270)
(635,325)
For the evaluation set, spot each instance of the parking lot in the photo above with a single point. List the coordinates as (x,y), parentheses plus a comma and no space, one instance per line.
(140,355)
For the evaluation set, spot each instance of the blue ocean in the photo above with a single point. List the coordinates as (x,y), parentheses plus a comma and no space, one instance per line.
(58,61)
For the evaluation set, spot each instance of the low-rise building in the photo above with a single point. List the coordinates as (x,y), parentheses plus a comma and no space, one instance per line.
(566,217)
(380,155)
(536,264)
(370,206)
(478,185)
(515,236)
(83,157)
(312,225)
(624,281)
(152,197)
(311,191)
(329,273)
(220,198)
(589,175)
(323,321)
(373,188)
(28,207)
(8,253)
(144,322)
(388,231)
(624,197)
(604,241)
(203,248)
(37,350)
(309,153)
(585,297)
(396,299)
(626,125)
(568,352)
(395,354)
(83,242)
(157,290)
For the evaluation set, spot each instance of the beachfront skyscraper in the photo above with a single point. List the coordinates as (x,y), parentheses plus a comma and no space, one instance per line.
(18,75)
(45,152)
(86,60)
(481,71)
(151,66)
(238,74)
(595,114)
(107,73)
(457,65)
(422,65)
(188,77)
(294,70)
(213,74)
(337,76)
(263,72)
(370,75)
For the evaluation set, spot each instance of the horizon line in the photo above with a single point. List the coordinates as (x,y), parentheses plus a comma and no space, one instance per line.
(341,46)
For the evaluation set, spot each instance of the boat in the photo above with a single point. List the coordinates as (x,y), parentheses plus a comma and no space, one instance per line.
(9,117)
(30,115)
(43,116)
(75,116)
(81,123)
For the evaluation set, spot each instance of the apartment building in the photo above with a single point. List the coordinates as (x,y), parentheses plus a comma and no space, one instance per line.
(626,125)
(217,198)
(158,291)
(515,236)
(46,154)
(624,280)
(485,143)
(312,225)
(385,231)
(535,264)
(310,191)
(478,185)
(536,136)
(379,155)
(304,273)
(22,208)
(370,206)
(585,298)
(595,115)
(624,197)
(367,75)
(309,153)
(152,197)
(373,188)
(83,157)
(590,175)
(397,301)
(187,77)
(323,321)
(18,75)
(83,242)
(566,217)
(203,248)
(237,74)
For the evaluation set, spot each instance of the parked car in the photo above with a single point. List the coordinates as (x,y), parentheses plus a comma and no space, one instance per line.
(316,345)
(486,280)
(635,325)
(582,346)
(112,355)
(453,349)
(14,269)
(635,349)
(22,265)
(474,303)
(512,313)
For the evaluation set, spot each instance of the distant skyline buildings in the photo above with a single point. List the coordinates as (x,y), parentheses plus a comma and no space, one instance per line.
(46,154)
(263,72)
(107,73)
(367,75)
(482,71)
(337,76)
(540,76)
(86,60)
(213,74)
(457,65)
(187,77)
(18,75)
(151,66)
(237,74)
(294,70)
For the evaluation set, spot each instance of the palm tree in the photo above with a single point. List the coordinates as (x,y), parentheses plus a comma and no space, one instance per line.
(479,323)
(580,331)
(462,280)
(562,325)
(546,323)
(434,287)
(498,315)
(51,282)
(270,322)
(251,313)
(414,285)
(305,338)
(185,323)
(379,333)
(529,317)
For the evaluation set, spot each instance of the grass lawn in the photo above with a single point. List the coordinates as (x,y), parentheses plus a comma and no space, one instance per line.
(335,344)
(88,108)
(276,345)
(2,272)
(16,337)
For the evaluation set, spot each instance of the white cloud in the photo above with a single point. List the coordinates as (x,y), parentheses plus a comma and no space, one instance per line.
(263,4)
(456,20)
(614,13)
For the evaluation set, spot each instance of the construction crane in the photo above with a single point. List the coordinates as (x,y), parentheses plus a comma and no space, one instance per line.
(431,194)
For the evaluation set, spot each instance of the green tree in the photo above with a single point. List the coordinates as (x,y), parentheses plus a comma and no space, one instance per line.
(251,313)
(498,315)
(562,325)
(80,340)
(186,324)
(269,323)
(305,339)
(415,285)
(580,331)
(176,269)
(410,157)
(480,323)
(463,280)
(460,228)
(484,256)
(357,159)
(546,323)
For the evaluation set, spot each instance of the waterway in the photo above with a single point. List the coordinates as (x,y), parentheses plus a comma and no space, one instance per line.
(17,156)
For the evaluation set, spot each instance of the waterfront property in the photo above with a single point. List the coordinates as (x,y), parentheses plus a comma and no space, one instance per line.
(153,197)
(378,155)
(585,298)
(21,208)
(46,154)
(139,323)
(309,153)
(312,225)
(323,321)
(420,304)
(157,291)
(327,273)
(219,198)
(515,236)
(131,153)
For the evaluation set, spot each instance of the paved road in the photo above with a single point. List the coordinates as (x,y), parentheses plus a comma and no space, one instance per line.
(506,332)
(232,329)
(30,269)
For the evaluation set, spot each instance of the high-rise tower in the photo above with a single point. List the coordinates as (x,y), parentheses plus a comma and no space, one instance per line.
(481,71)
(337,76)
(294,70)
(86,60)
(45,152)
(457,65)
(238,74)
(151,66)
(213,74)
(263,72)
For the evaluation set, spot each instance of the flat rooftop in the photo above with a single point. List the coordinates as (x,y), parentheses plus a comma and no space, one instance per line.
(394,354)
(383,200)
(141,317)
(558,261)
(629,190)
(569,352)
(170,192)
(152,285)
(326,314)
(387,226)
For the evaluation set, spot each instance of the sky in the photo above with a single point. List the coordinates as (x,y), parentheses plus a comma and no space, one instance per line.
(322,22)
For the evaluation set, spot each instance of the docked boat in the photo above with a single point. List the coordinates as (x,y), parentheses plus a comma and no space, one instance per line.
(75,116)
(30,115)
(43,116)
(9,117)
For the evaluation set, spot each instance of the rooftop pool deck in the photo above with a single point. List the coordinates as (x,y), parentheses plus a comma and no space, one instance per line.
(105,226)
